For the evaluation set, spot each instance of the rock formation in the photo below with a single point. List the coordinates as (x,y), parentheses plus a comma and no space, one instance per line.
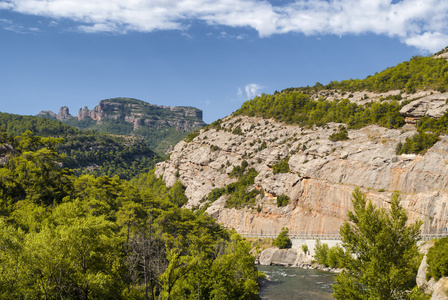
(433,106)
(136,112)
(322,175)
(63,114)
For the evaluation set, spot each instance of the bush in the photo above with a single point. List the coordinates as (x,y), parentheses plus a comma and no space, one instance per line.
(437,259)
(305,248)
(282,200)
(190,137)
(283,241)
(281,166)
(341,135)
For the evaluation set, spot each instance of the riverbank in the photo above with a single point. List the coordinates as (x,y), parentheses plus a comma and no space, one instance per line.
(290,258)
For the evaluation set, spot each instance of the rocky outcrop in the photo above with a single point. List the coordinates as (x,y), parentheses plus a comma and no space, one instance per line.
(136,112)
(433,106)
(141,114)
(440,289)
(322,175)
(63,114)
(283,257)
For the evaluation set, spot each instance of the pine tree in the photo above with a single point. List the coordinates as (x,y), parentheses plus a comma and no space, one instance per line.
(381,255)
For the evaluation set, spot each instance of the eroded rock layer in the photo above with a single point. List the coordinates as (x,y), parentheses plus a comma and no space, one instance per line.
(322,175)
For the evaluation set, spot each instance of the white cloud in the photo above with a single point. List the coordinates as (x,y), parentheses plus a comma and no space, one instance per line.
(252,90)
(239,93)
(422,24)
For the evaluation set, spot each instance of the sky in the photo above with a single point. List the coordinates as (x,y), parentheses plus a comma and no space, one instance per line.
(209,54)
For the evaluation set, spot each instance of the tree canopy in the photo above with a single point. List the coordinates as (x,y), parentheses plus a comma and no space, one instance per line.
(103,237)
(381,255)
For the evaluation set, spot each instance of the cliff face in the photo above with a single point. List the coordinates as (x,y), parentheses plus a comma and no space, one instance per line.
(322,175)
(161,126)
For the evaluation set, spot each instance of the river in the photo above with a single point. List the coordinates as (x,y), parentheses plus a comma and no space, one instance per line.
(295,284)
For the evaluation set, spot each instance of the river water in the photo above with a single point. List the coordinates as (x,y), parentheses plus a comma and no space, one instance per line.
(295,284)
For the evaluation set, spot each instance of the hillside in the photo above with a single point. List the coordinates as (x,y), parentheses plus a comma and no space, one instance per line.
(87,151)
(292,159)
(160,126)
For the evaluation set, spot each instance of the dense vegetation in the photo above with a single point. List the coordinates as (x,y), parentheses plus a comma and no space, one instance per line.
(92,237)
(437,260)
(88,152)
(419,73)
(381,255)
(429,130)
(329,257)
(298,108)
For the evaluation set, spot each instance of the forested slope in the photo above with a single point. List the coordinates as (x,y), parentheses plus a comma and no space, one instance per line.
(83,237)
(88,151)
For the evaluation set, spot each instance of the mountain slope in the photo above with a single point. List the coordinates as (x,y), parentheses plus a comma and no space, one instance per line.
(88,151)
(313,146)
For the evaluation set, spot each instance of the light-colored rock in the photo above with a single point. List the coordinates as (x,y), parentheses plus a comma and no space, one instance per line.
(433,106)
(440,289)
(322,177)
(427,286)
(283,257)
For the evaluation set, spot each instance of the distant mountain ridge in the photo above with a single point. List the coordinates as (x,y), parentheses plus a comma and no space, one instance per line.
(160,126)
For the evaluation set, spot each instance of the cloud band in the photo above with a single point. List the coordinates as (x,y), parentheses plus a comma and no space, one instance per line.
(422,24)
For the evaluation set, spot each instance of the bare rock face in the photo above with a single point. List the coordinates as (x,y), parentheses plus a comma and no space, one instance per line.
(433,106)
(427,286)
(140,114)
(440,289)
(322,176)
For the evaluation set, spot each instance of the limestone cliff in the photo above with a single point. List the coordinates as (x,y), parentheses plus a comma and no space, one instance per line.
(141,114)
(160,126)
(322,175)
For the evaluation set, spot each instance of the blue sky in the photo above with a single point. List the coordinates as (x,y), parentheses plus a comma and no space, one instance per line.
(213,55)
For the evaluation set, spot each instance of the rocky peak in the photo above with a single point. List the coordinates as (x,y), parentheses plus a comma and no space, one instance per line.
(63,114)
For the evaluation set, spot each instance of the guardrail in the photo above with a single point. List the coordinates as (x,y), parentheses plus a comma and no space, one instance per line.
(335,236)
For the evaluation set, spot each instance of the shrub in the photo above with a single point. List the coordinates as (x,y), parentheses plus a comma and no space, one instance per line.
(305,248)
(281,166)
(341,135)
(283,241)
(282,200)
(321,252)
(190,137)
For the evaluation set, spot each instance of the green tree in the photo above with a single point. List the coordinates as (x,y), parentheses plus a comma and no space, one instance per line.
(321,252)
(381,255)
(283,241)
(437,259)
